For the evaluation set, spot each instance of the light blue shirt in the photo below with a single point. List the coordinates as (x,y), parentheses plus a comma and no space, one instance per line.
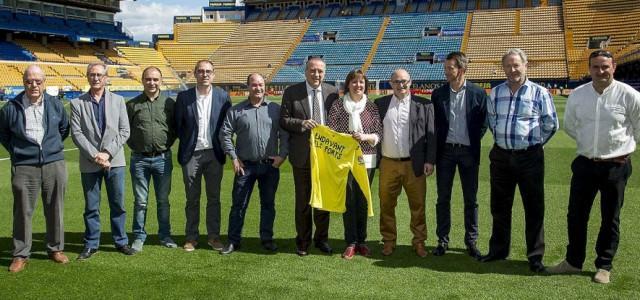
(522,119)
(458,131)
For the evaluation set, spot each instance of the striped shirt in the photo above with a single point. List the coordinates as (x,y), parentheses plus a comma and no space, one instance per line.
(522,119)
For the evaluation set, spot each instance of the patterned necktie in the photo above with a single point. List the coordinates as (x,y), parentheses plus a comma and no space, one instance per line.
(316,108)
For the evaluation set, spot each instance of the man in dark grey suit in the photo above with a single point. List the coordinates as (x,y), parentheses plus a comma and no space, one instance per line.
(100,128)
(198,115)
(305,106)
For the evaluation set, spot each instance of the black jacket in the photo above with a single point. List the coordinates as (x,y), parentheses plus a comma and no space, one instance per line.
(422,136)
(476,105)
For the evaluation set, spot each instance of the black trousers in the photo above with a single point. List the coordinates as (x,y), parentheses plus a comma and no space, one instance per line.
(524,168)
(303,214)
(355,217)
(589,177)
(450,158)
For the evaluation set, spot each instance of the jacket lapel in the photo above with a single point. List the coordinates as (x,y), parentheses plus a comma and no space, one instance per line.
(88,104)
(305,101)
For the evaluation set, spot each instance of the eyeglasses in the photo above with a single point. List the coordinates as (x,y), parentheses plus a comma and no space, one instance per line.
(403,81)
(98,75)
(201,72)
(603,53)
(36,81)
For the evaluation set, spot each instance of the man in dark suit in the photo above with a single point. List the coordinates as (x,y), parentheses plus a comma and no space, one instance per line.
(305,106)
(199,114)
(407,155)
(460,111)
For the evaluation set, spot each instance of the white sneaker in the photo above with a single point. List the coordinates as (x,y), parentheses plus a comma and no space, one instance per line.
(168,242)
(602,276)
(137,245)
(563,268)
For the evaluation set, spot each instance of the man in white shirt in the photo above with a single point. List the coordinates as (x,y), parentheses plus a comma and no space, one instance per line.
(199,113)
(603,116)
(407,155)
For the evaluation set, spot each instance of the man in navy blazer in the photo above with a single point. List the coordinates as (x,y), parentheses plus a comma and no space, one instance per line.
(199,114)
(460,112)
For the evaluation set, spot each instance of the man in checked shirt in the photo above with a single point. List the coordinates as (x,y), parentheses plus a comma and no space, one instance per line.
(522,117)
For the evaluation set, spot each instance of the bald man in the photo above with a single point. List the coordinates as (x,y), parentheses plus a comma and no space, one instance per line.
(33,127)
(261,146)
(407,155)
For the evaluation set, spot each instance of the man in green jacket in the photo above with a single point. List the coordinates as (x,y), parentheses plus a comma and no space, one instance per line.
(152,134)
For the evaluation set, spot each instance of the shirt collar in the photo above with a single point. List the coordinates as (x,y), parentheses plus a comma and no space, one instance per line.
(247,103)
(26,102)
(209,95)
(310,89)
(462,88)
(146,98)
(403,100)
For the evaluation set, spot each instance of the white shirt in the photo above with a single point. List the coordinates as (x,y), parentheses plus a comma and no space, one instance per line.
(34,117)
(395,127)
(320,102)
(204,116)
(604,125)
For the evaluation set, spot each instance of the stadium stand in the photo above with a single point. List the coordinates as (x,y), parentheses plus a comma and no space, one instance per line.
(619,20)
(145,57)
(538,31)
(256,47)
(11,51)
(405,37)
(193,42)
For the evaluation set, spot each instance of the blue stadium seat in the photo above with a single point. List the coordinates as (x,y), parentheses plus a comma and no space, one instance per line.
(11,51)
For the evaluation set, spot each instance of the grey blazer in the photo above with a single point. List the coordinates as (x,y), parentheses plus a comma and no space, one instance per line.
(86,134)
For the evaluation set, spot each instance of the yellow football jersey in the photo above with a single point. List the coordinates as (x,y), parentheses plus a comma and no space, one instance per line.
(333,155)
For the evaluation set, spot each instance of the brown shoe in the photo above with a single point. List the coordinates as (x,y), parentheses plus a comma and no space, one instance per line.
(190,246)
(17,264)
(59,257)
(420,251)
(216,244)
(387,248)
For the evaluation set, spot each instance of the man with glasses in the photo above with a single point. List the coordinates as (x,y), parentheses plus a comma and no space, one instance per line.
(33,126)
(407,155)
(199,113)
(100,128)
(152,134)
(304,106)
(603,116)
(522,118)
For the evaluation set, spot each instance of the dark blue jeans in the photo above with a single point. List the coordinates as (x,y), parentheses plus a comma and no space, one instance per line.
(355,217)
(268,178)
(589,177)
(143,169)
(450,158)
(92,184)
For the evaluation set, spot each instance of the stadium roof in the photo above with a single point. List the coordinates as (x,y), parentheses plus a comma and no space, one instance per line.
(103,5)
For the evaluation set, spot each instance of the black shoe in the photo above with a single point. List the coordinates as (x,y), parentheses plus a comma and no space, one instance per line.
(324,247)
(474,252)
(126,250)
(536,266)
(86,253)
(270,246)
(301,251)
(440,250)
(490,258)
(228,249)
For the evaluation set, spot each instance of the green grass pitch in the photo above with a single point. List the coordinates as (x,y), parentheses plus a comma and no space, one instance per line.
(253,273)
